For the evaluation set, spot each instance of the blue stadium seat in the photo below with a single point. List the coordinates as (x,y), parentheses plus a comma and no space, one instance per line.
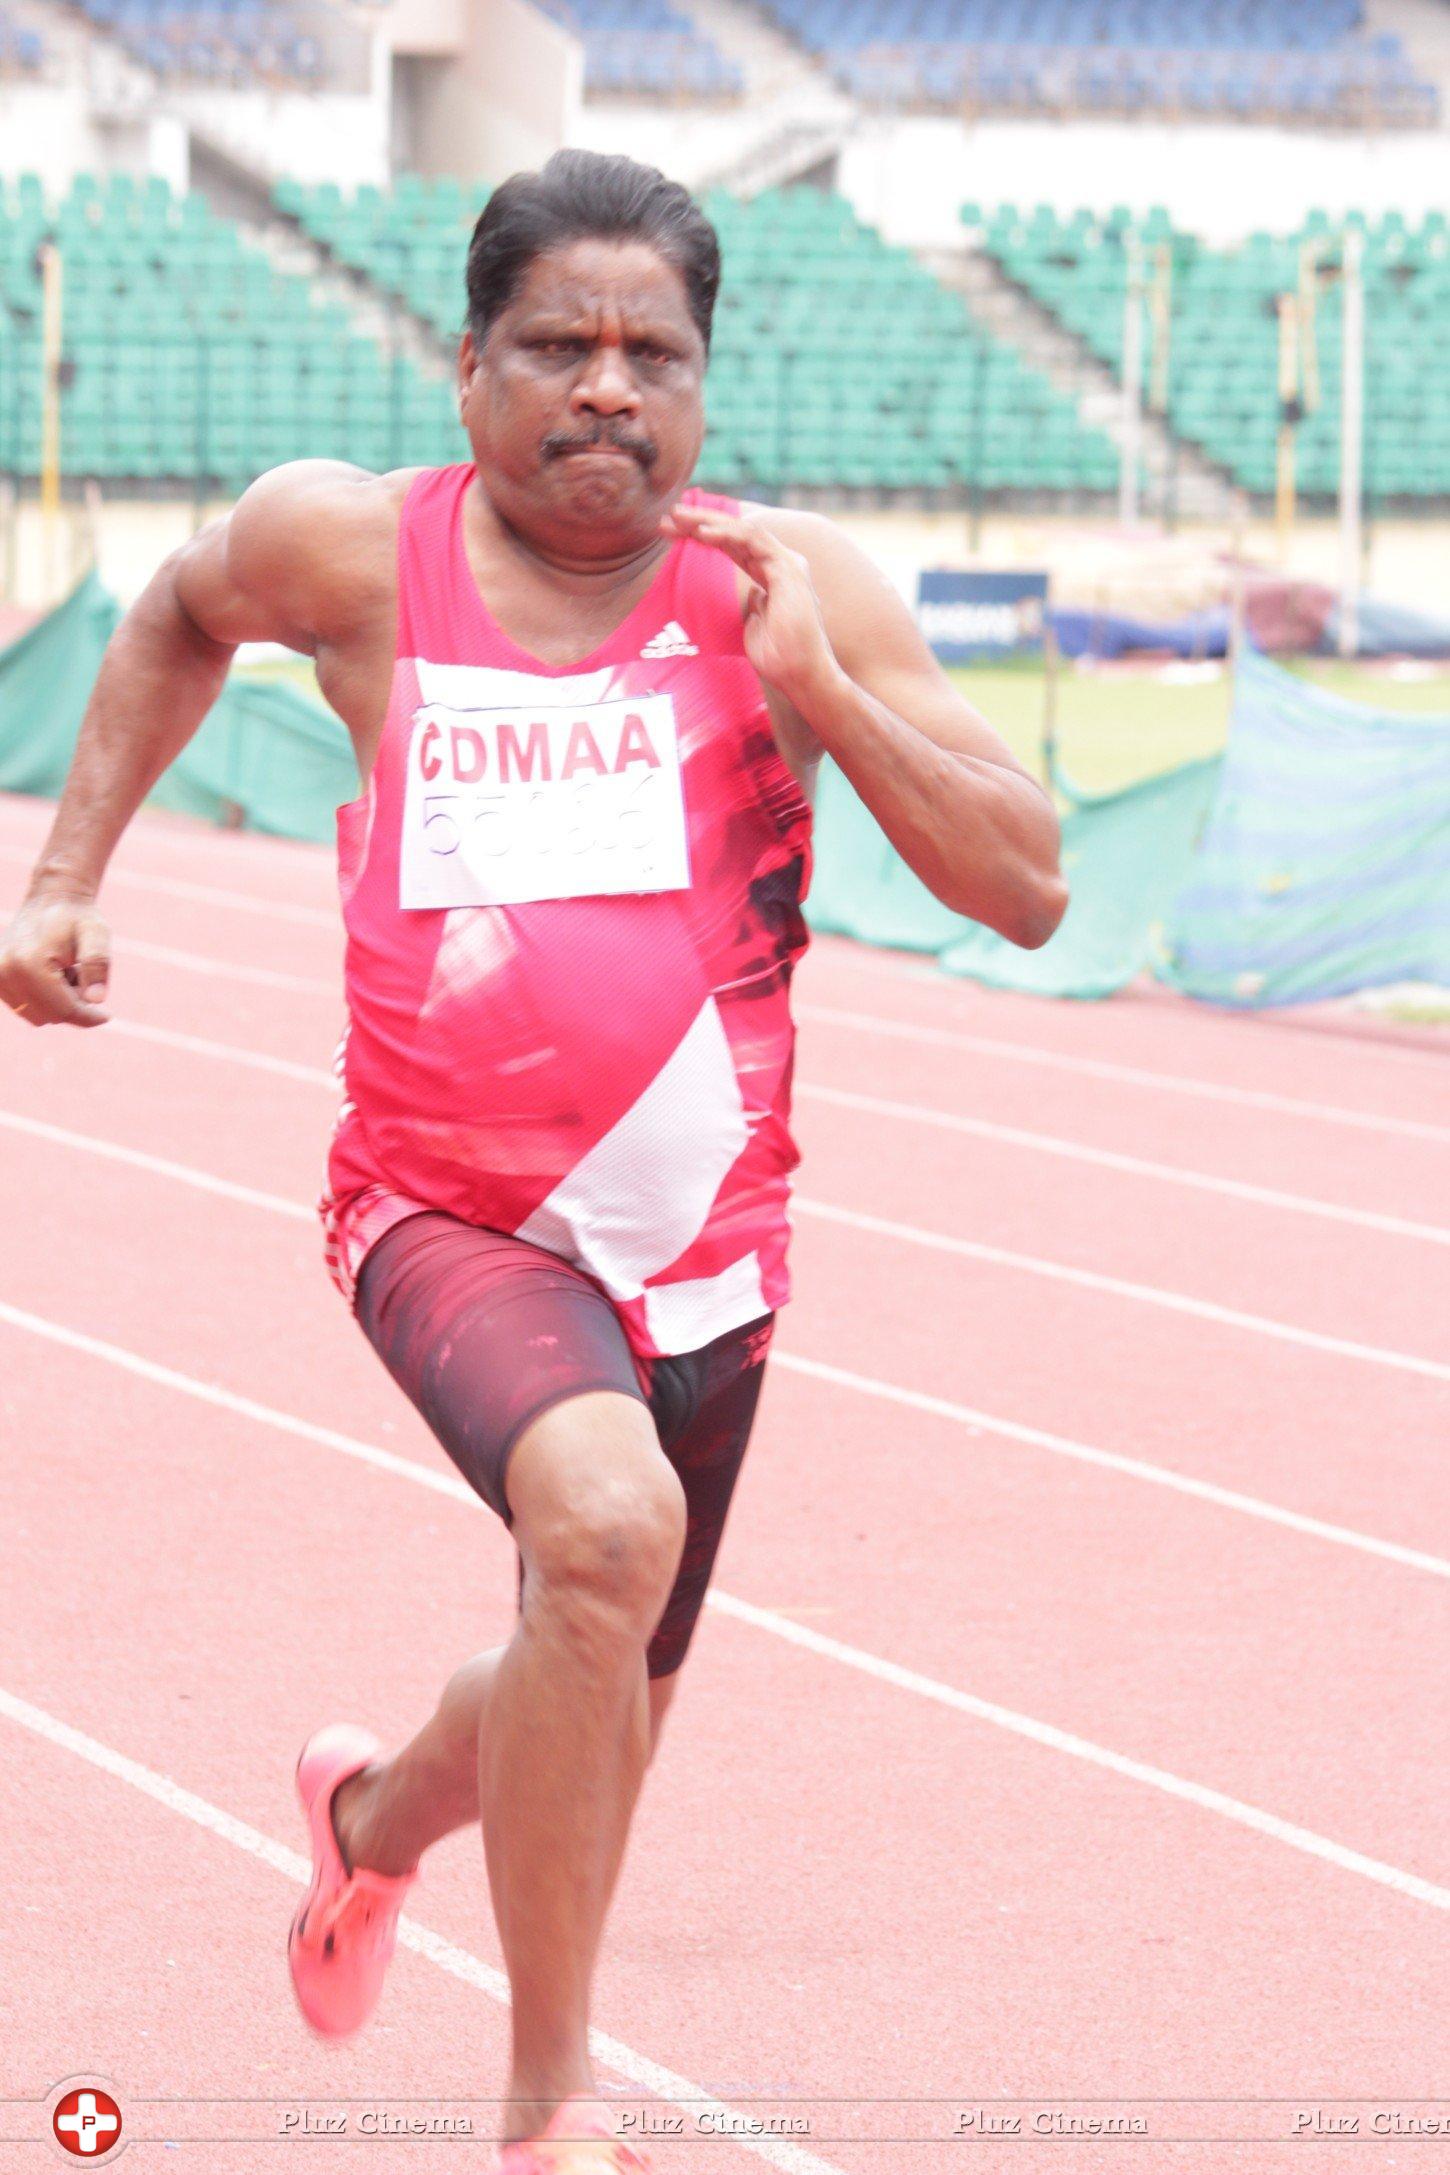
(1306,59)
(646,48)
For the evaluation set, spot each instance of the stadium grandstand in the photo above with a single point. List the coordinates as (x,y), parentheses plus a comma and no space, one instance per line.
(1300,60)
(256,214)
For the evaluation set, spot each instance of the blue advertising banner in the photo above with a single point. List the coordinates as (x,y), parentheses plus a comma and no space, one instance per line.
(979,618)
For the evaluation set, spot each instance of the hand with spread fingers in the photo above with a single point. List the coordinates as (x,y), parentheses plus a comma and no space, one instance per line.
(55,963)
(785,633)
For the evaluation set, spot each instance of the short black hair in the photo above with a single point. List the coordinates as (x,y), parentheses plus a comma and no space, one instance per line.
(581,195)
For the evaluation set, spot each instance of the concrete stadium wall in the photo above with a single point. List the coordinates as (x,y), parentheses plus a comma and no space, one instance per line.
(51,130)
(481,90)
(1093,563)
(909,177)
(689,143)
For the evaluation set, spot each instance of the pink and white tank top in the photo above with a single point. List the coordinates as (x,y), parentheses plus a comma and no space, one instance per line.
(573,906)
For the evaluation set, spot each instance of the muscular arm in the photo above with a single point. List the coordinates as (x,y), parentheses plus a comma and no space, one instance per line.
(293,562)
(830,634)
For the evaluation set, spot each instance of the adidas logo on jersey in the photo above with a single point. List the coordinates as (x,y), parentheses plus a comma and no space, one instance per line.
(671,641)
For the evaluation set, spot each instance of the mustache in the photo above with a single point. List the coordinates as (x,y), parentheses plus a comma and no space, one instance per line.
(637,443)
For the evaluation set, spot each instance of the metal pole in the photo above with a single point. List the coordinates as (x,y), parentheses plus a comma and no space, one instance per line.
(1288,417)
(979,402)
(1351,446)
(201,453)
(50,351)
(1162,308)
(1049,693)
(1132,448)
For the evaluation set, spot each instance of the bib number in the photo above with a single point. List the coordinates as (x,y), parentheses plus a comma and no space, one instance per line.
(554,801)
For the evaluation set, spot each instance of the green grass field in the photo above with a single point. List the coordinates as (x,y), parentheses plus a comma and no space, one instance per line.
(1118,726)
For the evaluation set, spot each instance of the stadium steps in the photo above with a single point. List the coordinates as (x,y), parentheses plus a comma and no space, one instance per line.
(1177,478)
(773,65)
(118,89)
(382,318)
(794,118)
(795,151)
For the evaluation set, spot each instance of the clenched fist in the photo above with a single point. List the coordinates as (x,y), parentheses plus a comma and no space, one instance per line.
(55,963)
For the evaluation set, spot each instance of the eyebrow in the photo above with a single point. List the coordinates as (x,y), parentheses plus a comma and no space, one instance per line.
(558,324)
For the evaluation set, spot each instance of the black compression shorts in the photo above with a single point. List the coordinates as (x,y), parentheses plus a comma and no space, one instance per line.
(484,1332)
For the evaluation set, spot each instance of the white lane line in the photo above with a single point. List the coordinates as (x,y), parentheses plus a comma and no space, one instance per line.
(909,1680)
(1094,1068)
(170,1038)
(877,1106)
(447,1483)
(245,902)
(1118,1287)
(158,1166)
(1112,1461)
(1082,1748)
(852,1219)
(223,969)
(887,966)
(1013,1136)
(459,1963)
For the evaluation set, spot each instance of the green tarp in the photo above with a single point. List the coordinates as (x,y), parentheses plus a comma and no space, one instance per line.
(1325,864)
(284,762)
(1123,854)
(45,681)
(264,752)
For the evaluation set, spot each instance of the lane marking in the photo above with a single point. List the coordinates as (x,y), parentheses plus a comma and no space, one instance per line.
(939,1037)
(1134,1166)
(884,966)
(244,902)
(170,1038)
(459,1963)
(445,1482)
(1046,1734)
(223,969)
(1112,1461)
(878,1106)
(1118,1287)
(1028,1053)
(1083,1748)
(852,1219)
(159,1167)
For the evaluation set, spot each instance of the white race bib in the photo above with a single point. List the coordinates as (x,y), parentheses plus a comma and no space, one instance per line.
(543,801)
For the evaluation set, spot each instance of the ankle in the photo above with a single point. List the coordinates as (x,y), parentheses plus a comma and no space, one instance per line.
(532,2105)
(361,1837)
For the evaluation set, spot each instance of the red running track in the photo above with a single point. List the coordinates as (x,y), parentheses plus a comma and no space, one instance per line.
(1067,1737)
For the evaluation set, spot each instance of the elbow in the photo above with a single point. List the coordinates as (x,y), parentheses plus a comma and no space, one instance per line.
(1037,913)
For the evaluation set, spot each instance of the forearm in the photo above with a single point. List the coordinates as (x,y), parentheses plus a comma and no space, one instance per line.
(159,677)
(981,835)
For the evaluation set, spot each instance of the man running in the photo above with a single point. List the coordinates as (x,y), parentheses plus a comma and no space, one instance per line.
(587,702)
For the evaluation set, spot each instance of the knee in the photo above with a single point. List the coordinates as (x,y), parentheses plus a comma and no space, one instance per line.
(603,1560)
(608,1566)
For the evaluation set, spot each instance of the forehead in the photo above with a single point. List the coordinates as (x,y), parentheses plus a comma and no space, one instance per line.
(589,276)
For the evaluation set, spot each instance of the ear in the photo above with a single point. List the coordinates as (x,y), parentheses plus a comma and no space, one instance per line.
(467,364)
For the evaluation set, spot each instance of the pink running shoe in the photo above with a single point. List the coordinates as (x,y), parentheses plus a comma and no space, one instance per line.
(343,1937)
(579,2139)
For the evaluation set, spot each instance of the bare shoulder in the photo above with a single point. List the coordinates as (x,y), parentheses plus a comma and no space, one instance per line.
(319,532)
(307,556)
(840,568)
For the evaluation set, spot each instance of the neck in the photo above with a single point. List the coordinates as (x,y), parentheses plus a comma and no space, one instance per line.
(578,571)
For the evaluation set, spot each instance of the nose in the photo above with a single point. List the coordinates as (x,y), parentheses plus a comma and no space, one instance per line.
(606,385)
